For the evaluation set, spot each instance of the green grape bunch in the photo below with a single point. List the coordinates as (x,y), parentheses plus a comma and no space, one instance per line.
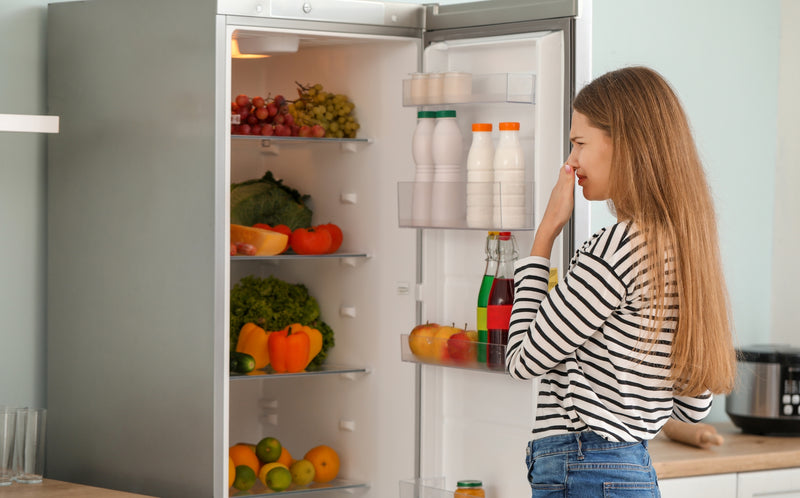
(333,113)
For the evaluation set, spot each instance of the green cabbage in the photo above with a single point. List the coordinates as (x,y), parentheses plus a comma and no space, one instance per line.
(269,201)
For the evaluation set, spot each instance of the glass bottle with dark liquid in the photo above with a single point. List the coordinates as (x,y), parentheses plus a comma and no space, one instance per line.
(501,299)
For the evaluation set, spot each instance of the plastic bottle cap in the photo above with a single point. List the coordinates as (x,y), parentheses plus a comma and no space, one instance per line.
(469,484)
(446,114)
(426,114)
(509,126)
(481,126)
(505,235)
(494,233)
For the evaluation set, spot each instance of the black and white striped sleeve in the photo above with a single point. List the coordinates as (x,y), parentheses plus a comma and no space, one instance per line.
(546,327)
(692,409)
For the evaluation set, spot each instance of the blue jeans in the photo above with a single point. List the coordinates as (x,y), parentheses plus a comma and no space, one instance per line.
(586,465)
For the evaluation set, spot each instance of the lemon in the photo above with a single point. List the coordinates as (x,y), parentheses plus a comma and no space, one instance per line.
(302,472)
(245,478)
(279,478)
(262,473)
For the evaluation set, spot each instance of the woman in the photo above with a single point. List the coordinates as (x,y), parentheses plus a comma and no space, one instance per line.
(639,329)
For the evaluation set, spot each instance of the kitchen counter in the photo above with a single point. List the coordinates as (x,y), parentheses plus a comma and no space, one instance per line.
(739,453)
(55,489)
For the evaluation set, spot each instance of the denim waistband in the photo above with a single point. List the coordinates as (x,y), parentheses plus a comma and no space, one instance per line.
(578,441)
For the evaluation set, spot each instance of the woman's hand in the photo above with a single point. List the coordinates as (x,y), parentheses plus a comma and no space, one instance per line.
(559,209)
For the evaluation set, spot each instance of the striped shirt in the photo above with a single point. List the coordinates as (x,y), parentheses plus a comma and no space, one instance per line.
(585,341)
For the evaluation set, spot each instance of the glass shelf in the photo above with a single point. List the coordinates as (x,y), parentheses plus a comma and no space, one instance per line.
(434,351)
(289,140)
(417,200)
(433,487)
(292,255)
(260,490)
(512,88)
(323,370)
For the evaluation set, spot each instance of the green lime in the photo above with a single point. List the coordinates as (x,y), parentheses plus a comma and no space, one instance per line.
(279,479)
(245,478)
(268,450)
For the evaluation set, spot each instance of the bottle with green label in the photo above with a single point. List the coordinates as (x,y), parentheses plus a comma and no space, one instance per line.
(483,293)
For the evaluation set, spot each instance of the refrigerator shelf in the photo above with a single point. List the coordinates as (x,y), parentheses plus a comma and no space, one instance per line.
(334,485)
(432,487)
(304,140)
(510,88)
(324,370)
(433,351)
(416,200)
(286,256)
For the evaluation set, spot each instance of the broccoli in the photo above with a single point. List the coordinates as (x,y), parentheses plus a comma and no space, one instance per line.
(272,304)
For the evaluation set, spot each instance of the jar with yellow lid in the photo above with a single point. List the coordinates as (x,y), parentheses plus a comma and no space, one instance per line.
(469,488)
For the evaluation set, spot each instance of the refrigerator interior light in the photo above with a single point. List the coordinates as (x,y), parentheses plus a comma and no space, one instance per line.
(236,54)
(265,45)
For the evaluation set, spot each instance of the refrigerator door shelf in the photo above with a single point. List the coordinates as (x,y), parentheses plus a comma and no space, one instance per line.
(434,351)
(512,88)
(259,490)
(415,203)
(348,372)
(431,487)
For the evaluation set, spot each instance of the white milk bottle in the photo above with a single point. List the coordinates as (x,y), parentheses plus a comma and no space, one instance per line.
(422,151)
(480,177)
(509,179)
(448,202)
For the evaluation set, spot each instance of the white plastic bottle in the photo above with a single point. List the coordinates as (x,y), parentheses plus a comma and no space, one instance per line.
(480,177)
(509,179)
(448,196)
(422,151)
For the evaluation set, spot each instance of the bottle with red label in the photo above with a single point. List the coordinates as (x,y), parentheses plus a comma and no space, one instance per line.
(501,298)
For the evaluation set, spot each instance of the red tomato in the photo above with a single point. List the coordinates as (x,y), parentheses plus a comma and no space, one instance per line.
(262,226)
(336,235)
(310,241)
(233,249)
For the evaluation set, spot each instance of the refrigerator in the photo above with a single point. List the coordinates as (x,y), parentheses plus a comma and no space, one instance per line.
(140,273)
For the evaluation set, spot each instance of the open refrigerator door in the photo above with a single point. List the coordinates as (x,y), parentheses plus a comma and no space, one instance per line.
(475,421)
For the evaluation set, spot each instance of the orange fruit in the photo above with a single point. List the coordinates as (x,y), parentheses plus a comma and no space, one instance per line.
(325,461)
(286,457)
(241,454)
(231,471)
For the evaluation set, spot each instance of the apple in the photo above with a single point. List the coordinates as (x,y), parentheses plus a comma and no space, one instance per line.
(317,131)
(420,340)
(304,131)
(461,347)
(440,352)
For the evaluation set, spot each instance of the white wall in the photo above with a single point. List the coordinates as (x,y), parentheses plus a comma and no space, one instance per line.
(785,266)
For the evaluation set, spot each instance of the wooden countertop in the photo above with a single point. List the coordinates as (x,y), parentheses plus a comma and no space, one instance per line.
(739,453)
(51,488)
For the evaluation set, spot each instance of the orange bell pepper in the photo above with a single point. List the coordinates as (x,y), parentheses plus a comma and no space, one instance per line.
(253,340)
(314,339)
(288,350)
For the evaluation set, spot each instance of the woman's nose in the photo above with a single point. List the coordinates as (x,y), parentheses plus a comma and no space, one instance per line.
(572,160)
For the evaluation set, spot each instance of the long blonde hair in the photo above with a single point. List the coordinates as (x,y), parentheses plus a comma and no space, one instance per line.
(658,183)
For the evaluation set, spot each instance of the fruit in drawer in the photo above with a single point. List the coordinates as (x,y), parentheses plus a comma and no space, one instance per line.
(245,478)
(440,352)
(268,450)
(421,341)
(243,455)
(462,347)
(265,242)
(265,469)
(325,461)
(279,478)
(302,472)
